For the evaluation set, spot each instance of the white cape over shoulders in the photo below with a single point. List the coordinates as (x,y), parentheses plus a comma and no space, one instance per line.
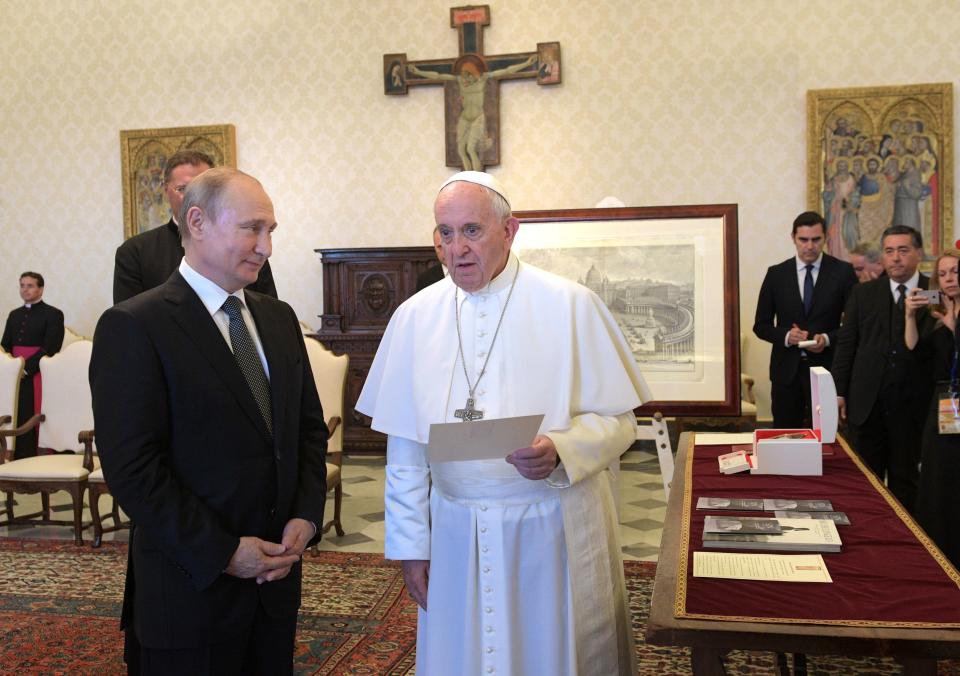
(557,332)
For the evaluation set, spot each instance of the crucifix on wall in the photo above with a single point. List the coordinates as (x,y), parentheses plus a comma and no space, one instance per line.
(471,86)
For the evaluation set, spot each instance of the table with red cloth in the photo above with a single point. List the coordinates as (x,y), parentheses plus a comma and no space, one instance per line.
(893,592)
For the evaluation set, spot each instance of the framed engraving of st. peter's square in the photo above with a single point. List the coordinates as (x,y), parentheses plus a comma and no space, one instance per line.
(143,155)
(669,276)
(881,156)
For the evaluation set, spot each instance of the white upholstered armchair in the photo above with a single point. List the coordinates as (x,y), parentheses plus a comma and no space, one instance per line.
(330,374)
(66,424)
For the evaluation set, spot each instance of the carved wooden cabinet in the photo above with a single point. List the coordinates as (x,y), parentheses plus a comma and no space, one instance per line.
(361,290)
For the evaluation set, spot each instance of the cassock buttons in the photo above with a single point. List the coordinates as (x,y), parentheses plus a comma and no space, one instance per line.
(488,610)
(486,569)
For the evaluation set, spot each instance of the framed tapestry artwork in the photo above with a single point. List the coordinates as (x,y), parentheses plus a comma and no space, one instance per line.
(881,156)
(143,154)
(670,277)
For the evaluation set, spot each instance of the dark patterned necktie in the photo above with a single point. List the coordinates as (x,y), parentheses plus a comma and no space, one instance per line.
(248,360)
(808,290)
(901,294)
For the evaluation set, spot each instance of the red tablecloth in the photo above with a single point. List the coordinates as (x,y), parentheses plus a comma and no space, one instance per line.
(889,573)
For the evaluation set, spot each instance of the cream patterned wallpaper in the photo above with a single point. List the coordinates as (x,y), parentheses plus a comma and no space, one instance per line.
(691,101)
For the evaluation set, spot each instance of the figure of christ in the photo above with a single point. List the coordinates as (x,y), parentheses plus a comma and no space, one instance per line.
(469,72)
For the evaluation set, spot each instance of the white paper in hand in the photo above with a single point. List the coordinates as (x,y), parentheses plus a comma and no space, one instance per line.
(481,439)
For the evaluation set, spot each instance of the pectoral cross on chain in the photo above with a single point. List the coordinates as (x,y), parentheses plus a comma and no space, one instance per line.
(468,413)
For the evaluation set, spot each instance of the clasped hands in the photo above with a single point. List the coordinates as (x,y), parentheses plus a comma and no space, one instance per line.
(269,561)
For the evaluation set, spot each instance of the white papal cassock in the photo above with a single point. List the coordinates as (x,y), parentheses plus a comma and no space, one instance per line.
(525,576)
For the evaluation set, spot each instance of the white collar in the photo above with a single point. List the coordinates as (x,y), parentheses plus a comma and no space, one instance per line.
(910,283)
(501,282)
(803,266)
(211,295)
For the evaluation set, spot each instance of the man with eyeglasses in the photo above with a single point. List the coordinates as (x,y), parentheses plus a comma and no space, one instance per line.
(881,389)
(513,561)
(147,260)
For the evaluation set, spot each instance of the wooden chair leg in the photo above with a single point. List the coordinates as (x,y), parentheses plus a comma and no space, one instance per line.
(337,501)
(76,493)
(45,505)
(335,521)
(94,499)
(9,506)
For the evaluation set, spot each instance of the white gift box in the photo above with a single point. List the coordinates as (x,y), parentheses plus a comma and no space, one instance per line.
(800,452)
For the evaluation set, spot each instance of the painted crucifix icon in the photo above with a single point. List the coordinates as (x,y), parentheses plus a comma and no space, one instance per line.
(471,86)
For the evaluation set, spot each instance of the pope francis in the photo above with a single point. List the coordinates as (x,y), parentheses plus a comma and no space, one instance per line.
(515,563)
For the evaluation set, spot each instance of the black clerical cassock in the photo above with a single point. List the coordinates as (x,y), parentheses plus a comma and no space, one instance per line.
(32,331)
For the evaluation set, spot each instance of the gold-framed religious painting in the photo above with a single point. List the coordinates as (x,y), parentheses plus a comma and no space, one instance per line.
(881,156)
(143,155)
(670,277)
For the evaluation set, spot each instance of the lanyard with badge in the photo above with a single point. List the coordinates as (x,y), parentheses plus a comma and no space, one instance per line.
(948,399)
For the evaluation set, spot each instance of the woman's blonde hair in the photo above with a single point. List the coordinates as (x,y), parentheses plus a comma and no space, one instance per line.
(935,277)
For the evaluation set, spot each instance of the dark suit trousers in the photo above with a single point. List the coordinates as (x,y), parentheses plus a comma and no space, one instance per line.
(26,442)
(889,442)
(266,651)
(790,402)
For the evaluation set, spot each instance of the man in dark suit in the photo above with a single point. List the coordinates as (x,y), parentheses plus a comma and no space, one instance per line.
(212,439)
(801,299)
(147,260)
(33,331)
(435,273)
(883,393)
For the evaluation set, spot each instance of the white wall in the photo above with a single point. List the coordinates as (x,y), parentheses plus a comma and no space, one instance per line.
(691,101)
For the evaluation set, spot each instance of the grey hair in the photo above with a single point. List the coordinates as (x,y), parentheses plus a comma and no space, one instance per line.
(207,191)
(868,250)
(501,208)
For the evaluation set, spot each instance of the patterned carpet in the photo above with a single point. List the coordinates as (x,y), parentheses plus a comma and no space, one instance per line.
(59,606)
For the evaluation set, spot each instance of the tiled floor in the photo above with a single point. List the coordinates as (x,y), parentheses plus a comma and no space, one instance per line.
(642,507)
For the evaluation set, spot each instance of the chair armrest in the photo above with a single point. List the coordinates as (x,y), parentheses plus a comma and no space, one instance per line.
(746,388)
(333,424)
(86,438)
(4,419)
(335,457)
(25,427)
(6,454)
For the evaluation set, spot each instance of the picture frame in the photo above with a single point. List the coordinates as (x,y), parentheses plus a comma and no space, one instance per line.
(143,155)
(670,276)
(881,156)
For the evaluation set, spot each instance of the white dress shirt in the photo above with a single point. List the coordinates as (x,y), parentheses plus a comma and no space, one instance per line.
(213,298)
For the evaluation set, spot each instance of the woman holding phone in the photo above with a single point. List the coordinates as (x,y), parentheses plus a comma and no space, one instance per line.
(934,336)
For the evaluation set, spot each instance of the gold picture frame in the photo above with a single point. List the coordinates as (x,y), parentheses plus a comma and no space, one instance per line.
(881,156)
(143,154)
